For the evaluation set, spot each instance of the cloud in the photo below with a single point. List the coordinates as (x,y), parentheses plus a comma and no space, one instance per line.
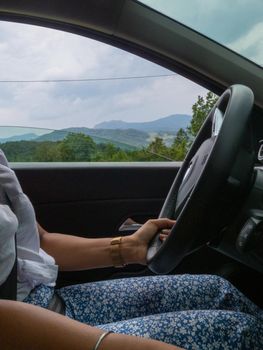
(35,53)
(40,53)
(10,116)
(224,21)
(162,97)
(251,44)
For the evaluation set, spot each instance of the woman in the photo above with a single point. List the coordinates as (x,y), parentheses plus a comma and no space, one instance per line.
(193,312)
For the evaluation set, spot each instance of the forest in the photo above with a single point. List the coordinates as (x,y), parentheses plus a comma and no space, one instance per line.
(77,147)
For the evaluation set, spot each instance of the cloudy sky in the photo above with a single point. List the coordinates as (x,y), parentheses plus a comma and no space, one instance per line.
(35,53)
(237,24)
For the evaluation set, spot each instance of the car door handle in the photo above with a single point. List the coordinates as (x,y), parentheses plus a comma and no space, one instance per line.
(129,226)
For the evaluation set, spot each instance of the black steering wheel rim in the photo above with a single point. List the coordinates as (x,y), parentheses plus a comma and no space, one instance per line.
(208,163)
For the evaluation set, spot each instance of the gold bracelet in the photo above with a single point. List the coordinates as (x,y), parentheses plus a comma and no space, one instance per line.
(115,252)
(103,335)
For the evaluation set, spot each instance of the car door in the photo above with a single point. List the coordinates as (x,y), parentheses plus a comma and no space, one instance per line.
(123,169)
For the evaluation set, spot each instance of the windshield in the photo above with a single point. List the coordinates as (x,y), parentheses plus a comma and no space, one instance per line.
(237,25)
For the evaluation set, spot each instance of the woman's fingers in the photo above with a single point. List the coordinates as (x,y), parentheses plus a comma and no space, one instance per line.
(161,224)
(164,234)
(165,231)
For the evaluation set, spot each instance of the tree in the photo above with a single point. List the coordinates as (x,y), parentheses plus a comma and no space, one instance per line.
(108,152)
(19,151)
(200,111)
(180,145)
(184,138)
(47,151)
(157,147)
(77,147)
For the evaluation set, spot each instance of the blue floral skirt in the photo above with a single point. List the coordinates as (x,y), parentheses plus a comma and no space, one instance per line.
(191,311)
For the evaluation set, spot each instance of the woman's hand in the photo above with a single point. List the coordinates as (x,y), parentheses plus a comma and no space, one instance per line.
(139,241)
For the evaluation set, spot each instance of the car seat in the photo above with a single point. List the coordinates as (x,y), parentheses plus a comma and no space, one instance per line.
(8,289)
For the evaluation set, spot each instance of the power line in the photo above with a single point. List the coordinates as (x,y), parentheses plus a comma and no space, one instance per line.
(87,79)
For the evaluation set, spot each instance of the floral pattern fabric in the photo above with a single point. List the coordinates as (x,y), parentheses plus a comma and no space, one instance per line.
(197,330)
(191,311)
(40,296)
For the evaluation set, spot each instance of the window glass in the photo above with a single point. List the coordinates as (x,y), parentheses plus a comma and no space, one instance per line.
(64,97)
(237,25)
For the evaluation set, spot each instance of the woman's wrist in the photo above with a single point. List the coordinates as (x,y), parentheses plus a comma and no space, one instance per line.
(131,250)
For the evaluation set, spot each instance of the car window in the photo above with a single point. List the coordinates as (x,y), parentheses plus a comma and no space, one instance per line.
(66,98)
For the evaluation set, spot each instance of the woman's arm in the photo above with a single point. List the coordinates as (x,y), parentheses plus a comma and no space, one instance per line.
(77,253)
(71,252)
(28,327)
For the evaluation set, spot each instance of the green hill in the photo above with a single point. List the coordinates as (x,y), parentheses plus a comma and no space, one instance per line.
(124,139)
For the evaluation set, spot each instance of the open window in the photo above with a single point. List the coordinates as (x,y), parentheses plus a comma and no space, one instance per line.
(67,98)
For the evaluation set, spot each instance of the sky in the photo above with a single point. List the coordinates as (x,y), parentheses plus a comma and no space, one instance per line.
(238,24)
(36,53)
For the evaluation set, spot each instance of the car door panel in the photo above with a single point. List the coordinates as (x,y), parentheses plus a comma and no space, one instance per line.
(94,200)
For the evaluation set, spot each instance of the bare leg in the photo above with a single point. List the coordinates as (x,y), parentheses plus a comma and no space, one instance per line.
(27,327)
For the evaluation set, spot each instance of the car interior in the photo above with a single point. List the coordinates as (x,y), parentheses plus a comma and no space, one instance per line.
(215,194)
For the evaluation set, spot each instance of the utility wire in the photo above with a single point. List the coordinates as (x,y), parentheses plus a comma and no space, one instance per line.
(87,79)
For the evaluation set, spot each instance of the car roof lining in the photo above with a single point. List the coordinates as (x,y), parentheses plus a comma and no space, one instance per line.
(136,28)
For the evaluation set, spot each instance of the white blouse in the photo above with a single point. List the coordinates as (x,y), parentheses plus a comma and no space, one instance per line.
(34,266)
(8,227)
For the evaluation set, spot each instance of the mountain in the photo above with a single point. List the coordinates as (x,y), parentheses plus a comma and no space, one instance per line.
(24,137)
(125,139)
(54,136)
(170,124)
(125,135)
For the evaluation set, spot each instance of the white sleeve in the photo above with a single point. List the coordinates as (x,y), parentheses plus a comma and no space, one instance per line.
(8,228)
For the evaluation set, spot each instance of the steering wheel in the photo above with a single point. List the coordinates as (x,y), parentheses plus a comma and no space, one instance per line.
(216,162)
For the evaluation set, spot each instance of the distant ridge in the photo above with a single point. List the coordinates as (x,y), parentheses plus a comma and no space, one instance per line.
(125,135)
(24,137)
(125,139)
(170,124)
